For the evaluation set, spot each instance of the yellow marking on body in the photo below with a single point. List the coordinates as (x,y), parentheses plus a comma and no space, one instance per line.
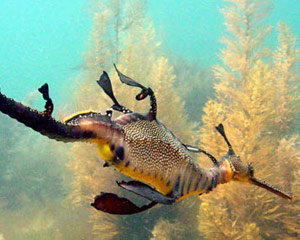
(103,149)
(189,194)
(157,183)
(76,114)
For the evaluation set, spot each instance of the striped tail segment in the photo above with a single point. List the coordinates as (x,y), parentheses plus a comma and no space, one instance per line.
(192,179)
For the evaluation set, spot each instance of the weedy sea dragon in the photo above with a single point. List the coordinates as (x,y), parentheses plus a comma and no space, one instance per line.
(139,146)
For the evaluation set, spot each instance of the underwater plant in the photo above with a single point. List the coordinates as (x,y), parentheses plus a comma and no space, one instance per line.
(139,56)
(196,84)
(138,146)
(32,185)
(257,98)
(89,174)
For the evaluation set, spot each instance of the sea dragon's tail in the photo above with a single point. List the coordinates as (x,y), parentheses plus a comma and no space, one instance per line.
(81,127)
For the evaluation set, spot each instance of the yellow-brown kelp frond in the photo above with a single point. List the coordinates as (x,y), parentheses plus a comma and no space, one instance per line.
(288,158)
(249,98)
(285,78)
(164,229)
(121,27)
(33,183)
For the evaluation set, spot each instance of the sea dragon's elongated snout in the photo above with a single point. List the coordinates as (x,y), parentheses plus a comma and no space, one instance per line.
(244,172)
(263,184)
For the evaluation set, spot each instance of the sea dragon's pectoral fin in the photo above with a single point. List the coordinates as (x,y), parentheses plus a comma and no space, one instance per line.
(146,191)
(113,204)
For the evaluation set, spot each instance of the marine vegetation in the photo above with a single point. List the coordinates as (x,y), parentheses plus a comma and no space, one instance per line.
(257,99)
(138,146)
(234,211)
(33,182)
(139,54)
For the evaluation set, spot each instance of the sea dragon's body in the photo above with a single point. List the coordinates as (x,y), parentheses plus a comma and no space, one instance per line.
(139,146)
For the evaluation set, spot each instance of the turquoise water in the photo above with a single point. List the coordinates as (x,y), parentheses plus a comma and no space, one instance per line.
(43,41)
(46,186)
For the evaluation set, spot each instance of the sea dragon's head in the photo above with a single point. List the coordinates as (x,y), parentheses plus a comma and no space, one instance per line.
(242,172)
